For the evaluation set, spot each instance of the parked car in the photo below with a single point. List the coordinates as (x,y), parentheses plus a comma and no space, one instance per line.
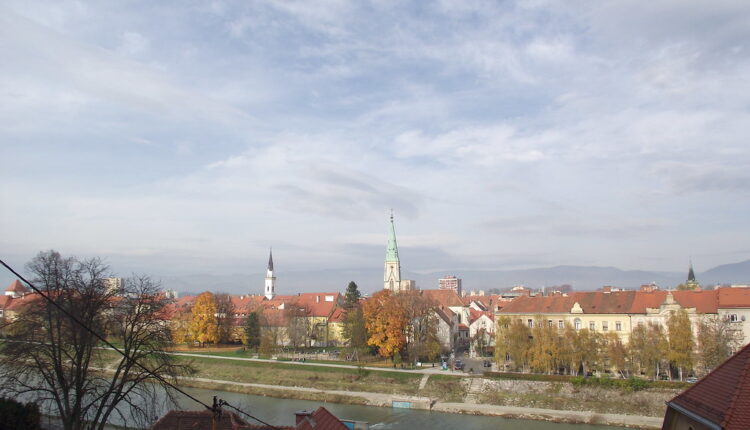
(458,365)
(691,380)
(487,363)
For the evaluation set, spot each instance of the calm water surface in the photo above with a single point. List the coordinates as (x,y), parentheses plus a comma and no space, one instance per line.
(281,411)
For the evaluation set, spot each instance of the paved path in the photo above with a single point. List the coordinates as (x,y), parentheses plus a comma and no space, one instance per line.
(426,370)
(383,399)
(423,382)
(474,388)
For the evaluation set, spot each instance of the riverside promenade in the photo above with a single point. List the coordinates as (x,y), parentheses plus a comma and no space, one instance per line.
(468,406)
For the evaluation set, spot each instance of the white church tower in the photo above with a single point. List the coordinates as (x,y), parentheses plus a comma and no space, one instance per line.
(270,279)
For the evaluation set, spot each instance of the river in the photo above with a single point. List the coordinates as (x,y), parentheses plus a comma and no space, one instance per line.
(281,411)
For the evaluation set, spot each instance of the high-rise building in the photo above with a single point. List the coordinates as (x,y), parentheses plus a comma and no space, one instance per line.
(270,279)
(450,282)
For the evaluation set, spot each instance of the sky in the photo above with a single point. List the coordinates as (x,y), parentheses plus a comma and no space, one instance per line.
(189,137)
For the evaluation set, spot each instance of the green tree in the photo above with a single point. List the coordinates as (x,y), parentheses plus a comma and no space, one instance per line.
(252,330)
(354,331)
(681,343)
(204,327)
(352,295)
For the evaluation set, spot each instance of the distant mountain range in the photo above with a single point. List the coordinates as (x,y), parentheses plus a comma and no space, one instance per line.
(369,280)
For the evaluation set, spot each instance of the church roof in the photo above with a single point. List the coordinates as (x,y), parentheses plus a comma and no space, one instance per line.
(16,287)
(270,260)
(722,396)
(391,252)
(691,274)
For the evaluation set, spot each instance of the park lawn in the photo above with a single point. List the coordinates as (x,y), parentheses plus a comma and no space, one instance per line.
(320,377)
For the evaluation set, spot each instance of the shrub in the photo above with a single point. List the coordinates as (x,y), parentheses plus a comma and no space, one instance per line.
(16,415)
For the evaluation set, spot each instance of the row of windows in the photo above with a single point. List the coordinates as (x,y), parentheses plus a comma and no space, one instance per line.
(577,324)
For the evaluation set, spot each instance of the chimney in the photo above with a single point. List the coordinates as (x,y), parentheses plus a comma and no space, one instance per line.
(301,415)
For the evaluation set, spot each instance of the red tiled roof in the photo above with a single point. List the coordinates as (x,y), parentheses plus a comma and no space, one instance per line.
(734,297)
(17,287)
(722,396)
(321,419)
(4,301)
(443,297)
(338,315)
(22,301)
(475,315)
(201,420)
(246,304)
(445,314)
(617,302)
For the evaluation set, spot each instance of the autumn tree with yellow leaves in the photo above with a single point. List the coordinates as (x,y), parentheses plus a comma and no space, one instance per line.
(204,327)
(386,320)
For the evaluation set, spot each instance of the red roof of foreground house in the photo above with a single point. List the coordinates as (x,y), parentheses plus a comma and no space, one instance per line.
(723,396)
(201,420)
(17,287)
(320,419)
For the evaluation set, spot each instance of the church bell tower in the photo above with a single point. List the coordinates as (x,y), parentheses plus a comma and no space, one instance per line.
(392,274)
(270,279)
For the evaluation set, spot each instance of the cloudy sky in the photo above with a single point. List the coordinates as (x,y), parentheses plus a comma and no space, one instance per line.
(180,138)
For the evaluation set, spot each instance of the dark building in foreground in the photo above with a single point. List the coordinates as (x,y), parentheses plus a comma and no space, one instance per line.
(719,401)
(320,419)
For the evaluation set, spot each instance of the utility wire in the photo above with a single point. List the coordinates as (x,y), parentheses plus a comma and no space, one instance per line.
(215,408)
(101,338)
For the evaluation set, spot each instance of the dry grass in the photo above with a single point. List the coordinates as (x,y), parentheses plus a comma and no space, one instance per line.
(286,394)
(323,378)
(444,388)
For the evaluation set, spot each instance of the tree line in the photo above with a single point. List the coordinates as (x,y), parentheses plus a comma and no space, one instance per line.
(653,351)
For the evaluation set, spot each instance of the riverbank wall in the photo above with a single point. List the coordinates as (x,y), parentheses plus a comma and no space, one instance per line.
(416,402)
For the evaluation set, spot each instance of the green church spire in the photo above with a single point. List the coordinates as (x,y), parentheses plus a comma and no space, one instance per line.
(391,252)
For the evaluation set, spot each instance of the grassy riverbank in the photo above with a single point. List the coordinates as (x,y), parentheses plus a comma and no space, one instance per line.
(323,378)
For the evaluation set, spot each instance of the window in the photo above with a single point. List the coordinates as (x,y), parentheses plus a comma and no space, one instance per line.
(618,326)
(605,325)
(530,323)
(549,323)
(577,324)
(560,324)
(733,318)
(592,326)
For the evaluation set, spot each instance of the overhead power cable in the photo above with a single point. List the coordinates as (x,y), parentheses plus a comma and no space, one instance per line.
(215,408)
(101,338)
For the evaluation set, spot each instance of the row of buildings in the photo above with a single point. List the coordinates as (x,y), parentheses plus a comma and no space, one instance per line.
(461,318)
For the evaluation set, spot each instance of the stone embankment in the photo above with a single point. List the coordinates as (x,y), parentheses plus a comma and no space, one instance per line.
(472,403)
